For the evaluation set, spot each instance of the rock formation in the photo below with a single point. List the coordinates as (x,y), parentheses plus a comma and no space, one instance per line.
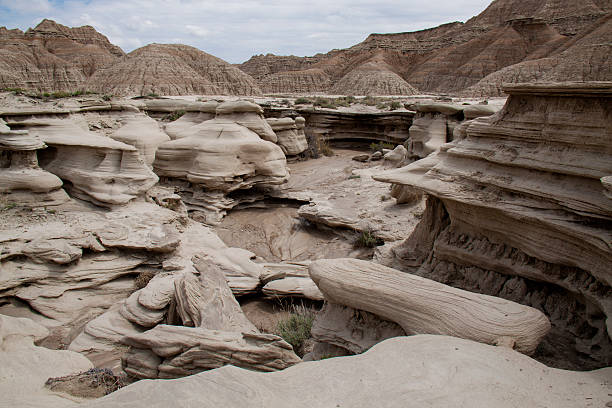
(424,370)
(143,133)
(510,41)
(434,124)
(291,139)
(52,57)
(423,306)
(23,181)
(95,168)
(24,367)
(171,69)
(517,209)
(222,155)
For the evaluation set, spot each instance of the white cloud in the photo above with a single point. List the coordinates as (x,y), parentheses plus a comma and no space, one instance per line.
(237,29)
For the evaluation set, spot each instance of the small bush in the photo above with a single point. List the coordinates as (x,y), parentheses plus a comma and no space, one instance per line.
(143,279)
(302,101)
(295,330)
(354,176)
(324,147)
(395,105)
(152,95)
(16,91)
(378,147)
(107,97)
(171,117)
(370,101)
(367,240)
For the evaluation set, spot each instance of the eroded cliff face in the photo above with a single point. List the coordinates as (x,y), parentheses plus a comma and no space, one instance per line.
(517,209)
(453,57)
(53,57)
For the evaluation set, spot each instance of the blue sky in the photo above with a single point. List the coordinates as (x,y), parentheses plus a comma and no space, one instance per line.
(235,30)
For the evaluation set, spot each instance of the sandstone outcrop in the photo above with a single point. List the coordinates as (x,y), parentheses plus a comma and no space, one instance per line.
(231,152)
(143,133)
(94,168)
(517,209)
(435,123)
(23,181)
(421,369)
(291,138)
(423,306)
(305,81)
(171,69)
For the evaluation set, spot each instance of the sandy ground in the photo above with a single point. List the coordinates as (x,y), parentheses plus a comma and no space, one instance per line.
(342,186)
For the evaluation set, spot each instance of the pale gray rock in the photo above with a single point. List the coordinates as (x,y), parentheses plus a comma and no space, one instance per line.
(421,305)
(350,329)
(422,370)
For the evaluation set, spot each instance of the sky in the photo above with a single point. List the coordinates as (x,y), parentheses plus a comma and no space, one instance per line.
(235,30)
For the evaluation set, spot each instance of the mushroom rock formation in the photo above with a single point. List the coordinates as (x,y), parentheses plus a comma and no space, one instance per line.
(517,209)
(23,181)
(289,138)
(193,116)
(247,114)
(99,169)
(172,69)
(25,367)
(373,78)
(422,370)
(143,133)
(421,305)
(210,160)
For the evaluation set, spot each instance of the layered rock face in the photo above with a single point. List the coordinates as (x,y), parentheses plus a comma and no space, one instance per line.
(53,57)
(172,69)
(518,208)
(290,134)
(454,57)
(435,123)
(234,151)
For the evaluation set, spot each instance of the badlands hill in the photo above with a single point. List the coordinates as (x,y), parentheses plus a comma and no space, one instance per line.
(513,41)
(53,57)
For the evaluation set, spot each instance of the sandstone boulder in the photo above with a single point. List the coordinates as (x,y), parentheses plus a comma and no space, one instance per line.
(421,305)
(290,140)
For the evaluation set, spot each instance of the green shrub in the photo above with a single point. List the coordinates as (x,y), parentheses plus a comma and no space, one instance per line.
(395,105)
(370,101)
(378,147)
(152,95)
(367,240)
(295,329)
(107,97)
(302,101)
(172,116)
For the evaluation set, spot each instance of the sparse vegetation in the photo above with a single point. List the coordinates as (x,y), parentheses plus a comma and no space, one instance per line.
(324,147)
(302,101)
(378,147)
(295,330)
(367,239)
(395,105)
(152,95)
(95,382)
(354,176)
(107,97)
(143,279)
(172,116)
